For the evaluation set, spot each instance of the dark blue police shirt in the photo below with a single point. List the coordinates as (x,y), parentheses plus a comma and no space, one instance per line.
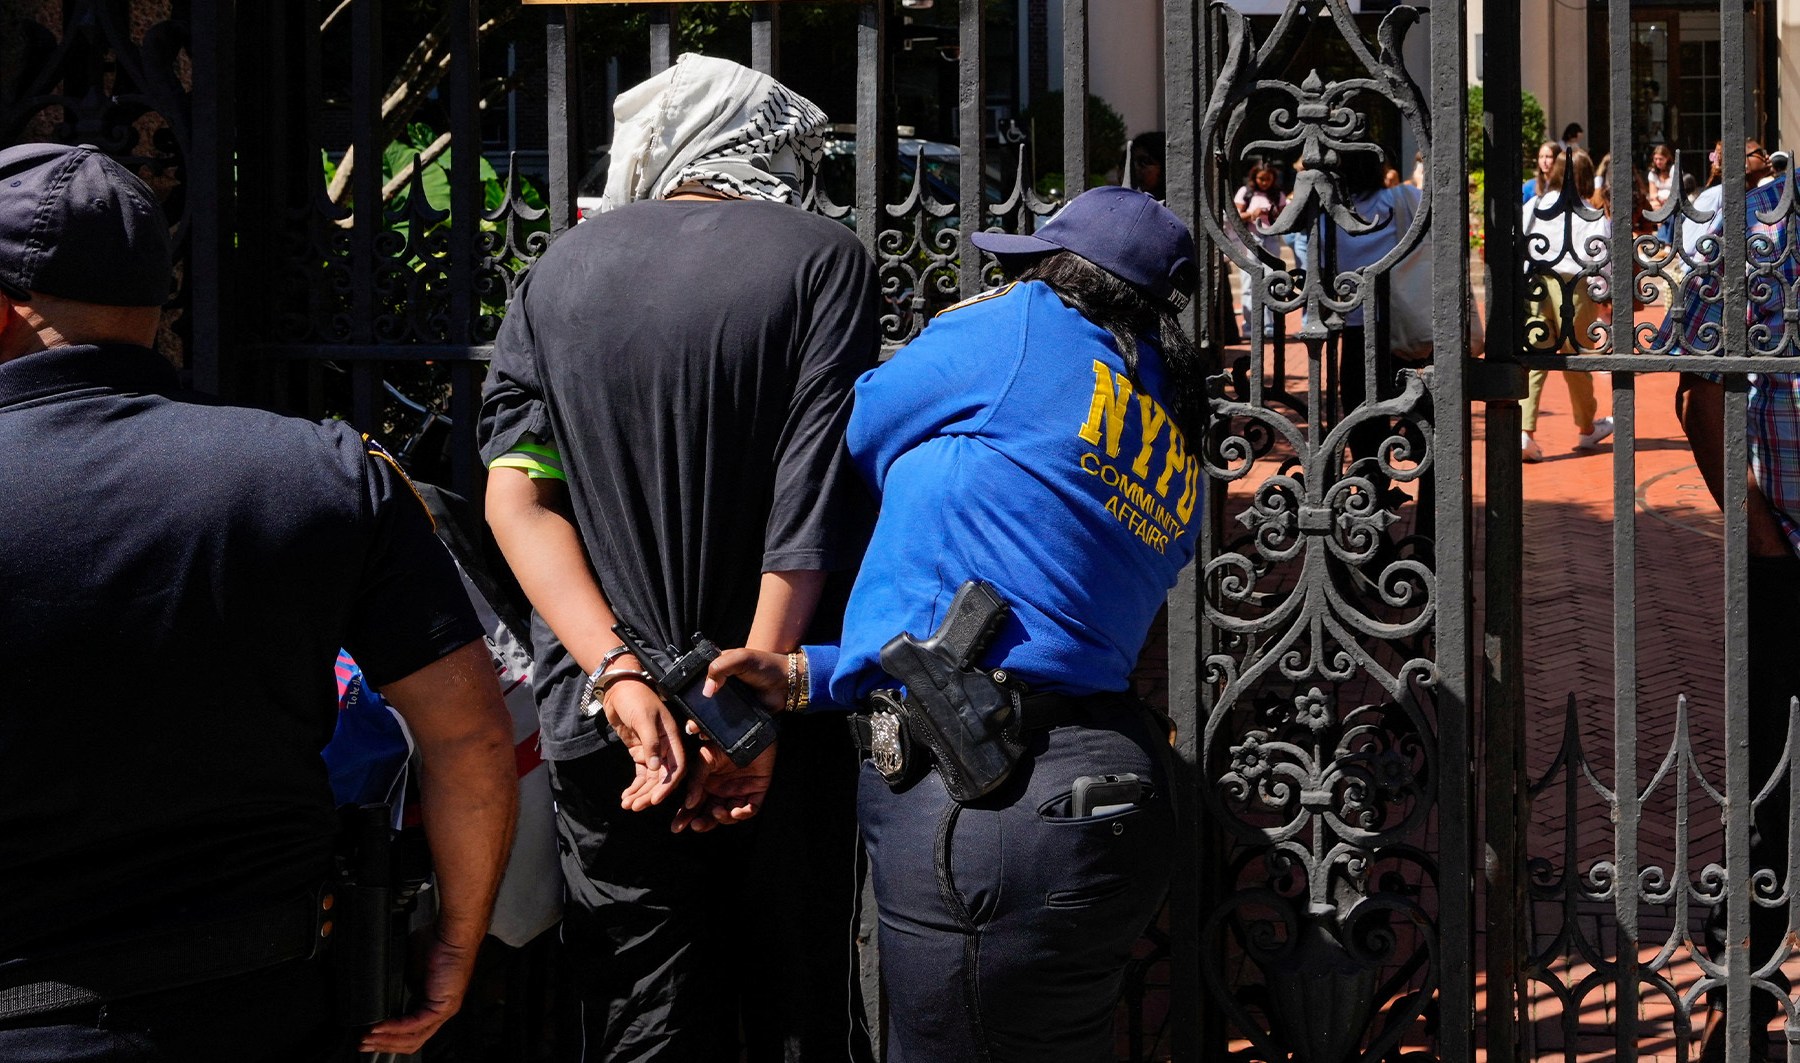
(176,577)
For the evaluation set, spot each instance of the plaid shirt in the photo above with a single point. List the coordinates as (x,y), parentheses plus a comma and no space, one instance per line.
(1696,325)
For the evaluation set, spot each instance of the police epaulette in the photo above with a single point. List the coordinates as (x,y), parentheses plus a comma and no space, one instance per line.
(376,450)
(983,297)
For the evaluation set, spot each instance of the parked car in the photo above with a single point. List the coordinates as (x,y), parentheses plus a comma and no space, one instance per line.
(940,163)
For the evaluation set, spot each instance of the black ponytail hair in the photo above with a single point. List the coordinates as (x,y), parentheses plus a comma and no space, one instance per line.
(1125,311)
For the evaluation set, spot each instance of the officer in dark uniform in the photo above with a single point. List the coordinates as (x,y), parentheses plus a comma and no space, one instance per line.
(178,577)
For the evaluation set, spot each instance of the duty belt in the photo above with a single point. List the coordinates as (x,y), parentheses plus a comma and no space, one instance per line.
(881,733)
(167,959)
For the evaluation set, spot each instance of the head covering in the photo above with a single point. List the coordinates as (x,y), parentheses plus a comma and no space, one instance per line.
(1124,232)
(712,122)
(76,224)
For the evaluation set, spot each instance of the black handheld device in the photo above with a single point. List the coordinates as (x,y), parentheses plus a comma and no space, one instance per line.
(1102,795)
(732,716)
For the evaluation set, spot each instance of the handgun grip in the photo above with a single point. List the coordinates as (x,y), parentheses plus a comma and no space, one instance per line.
(975,614)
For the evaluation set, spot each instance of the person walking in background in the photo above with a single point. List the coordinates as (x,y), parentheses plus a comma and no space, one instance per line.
(1259,202)
(1147,156)
(664,426)
(1711,199)
(1660,176)
(1571,136)
(1565,247)
(1547,155)
(1390,210)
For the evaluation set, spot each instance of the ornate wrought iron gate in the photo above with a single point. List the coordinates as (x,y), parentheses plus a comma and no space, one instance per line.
(1320,663)
(1334,649)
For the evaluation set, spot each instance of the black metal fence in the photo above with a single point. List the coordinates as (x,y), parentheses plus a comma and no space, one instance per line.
(350,235)
(1668,889)
(1318,668)
(1334,636)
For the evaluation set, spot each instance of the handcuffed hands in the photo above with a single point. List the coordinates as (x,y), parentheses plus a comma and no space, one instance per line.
(652,738)
(719,793)
(764,671)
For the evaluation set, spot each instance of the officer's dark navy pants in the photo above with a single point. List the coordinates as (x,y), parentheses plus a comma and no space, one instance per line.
(1006,924)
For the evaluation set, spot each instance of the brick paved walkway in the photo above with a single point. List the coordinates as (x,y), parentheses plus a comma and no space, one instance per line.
(1569,609)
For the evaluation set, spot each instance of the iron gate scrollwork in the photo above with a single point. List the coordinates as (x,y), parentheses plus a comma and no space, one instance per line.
(1321,756)
(127,94)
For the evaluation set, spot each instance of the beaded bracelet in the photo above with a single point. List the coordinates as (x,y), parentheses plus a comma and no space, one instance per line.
(798,681)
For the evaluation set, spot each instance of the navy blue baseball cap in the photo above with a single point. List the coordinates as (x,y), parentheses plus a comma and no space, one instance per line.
(76,224)
(1121,230)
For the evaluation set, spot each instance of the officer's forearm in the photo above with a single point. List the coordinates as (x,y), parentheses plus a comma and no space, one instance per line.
(543,548)
(468,782)
(470,799)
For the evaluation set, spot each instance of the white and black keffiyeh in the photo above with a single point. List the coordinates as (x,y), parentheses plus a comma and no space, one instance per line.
(714,123)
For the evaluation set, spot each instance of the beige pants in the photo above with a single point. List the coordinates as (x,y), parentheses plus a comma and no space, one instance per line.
(1544,333)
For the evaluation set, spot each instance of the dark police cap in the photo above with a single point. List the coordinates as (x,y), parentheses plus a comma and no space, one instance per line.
(1124,232)
(76,224)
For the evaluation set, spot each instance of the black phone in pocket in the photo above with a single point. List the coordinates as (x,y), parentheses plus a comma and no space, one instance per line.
(1102,795)
(731,717)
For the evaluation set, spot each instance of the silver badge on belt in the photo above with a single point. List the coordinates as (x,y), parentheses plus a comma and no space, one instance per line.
(885,746)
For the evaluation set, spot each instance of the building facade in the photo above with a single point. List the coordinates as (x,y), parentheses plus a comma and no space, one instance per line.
(1676,55)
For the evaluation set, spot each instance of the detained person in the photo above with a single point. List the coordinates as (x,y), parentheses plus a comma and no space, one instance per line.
(1036,439)
(664,425)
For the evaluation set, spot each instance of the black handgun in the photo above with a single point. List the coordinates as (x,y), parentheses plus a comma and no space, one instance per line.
(731,717)
(962,714)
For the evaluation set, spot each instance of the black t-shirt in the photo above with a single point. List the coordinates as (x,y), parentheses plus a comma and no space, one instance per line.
(693,362)
(176,578)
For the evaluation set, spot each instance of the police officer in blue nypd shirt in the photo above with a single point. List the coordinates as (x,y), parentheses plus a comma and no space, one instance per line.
(1042,437)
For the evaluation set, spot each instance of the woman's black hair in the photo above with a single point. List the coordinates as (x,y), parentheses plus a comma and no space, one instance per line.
(1363,172)
(1151,147)
(1125,311)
